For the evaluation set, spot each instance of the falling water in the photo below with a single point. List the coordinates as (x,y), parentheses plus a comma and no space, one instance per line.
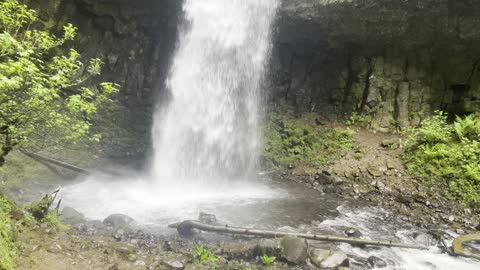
(205,133)
(208,131)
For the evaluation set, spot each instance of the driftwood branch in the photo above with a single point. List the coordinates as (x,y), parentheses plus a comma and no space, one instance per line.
(187,227)
(459,249)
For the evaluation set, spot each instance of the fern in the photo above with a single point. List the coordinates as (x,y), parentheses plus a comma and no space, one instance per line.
(467,128)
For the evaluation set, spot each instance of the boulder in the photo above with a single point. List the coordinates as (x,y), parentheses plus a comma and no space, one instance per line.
(270,247)
(317,256)
(242,250)
(351,232)
(71,216)
(118,221)
(376,262)
(294,249)
(335,260)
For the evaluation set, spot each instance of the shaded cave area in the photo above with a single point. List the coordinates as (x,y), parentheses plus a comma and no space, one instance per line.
(393,63)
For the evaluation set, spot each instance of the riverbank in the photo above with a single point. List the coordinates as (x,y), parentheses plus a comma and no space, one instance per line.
(373,171)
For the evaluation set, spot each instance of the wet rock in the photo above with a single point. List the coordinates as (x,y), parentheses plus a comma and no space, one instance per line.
(335,260)
(388,143)
(243,250)
(207,218)
(114,267)
(374,172)
(175,265)
(55,248)
(353,233)
(294,249)
(118,221)
(317,256)
(390,165)
(376,262)
(140,263)
(271,247)
(327,172)
(425,239)
(338,180)
(404,199)
(71,216)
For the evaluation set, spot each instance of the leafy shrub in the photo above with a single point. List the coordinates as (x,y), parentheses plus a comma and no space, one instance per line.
(267,260)
(293,141)
(7,232)
(202,255)
(355,118)
(467,128)
(447,156)
(434,129)
(46,93)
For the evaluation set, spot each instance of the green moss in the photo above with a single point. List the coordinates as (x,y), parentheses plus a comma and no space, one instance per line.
(447,156)
(52,221)
(7,235)
(295,141)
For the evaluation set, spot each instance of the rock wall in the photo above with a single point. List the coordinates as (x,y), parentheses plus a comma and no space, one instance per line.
(394,62)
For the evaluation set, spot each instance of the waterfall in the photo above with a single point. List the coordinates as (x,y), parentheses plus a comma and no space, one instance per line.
(205,134)
(208,130)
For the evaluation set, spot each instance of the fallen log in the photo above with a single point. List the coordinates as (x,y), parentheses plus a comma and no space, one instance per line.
(459,249)
(187,227)
(56,162)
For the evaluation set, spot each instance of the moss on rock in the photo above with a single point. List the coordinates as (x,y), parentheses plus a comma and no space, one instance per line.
(290,140)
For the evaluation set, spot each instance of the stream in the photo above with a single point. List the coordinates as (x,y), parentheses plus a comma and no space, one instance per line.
(266,205)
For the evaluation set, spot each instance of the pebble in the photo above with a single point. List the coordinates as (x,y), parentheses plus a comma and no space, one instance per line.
(176,265)
(140,263)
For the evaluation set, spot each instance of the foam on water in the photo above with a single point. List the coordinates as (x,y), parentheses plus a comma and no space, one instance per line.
(150,203)
(375,224)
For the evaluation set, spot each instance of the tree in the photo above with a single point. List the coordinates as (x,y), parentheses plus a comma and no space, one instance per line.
(46,92)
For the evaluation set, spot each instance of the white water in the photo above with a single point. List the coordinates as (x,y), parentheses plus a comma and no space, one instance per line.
(205,136)
(373,225)
(209,129)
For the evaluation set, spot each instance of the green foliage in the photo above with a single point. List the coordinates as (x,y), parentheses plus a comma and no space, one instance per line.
(46,96)
(202,255)
(447,156)
(132,254)
(355,118)
(433,130)
(268,260)
(7,233)
(293,141)
(52,221)
(467,128)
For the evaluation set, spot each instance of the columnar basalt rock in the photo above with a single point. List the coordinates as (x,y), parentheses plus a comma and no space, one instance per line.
(394,62)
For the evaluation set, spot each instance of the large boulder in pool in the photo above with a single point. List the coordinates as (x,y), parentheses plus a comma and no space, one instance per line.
(71,216)
(294,249)
(118,221)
